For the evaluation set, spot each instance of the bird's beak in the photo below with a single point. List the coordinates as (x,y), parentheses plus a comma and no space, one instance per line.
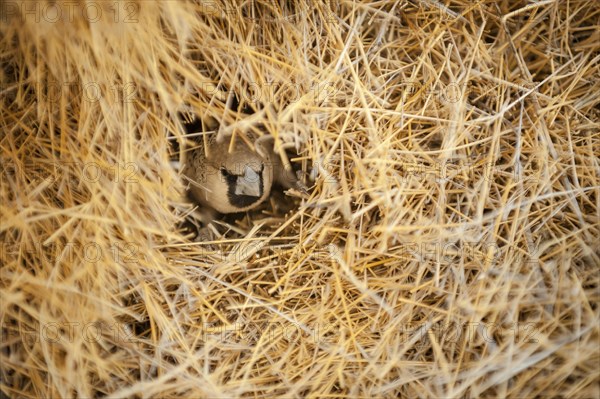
(248,184)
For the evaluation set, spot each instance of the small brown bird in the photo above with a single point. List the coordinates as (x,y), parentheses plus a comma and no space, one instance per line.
(231,177)
(230,181)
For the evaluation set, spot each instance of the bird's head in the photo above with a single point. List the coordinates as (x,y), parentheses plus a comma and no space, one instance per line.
(230,181)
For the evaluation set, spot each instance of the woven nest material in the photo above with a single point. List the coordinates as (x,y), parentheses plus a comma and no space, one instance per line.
(448,245)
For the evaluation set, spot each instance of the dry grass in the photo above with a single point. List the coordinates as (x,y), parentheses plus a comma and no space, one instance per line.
(448,248)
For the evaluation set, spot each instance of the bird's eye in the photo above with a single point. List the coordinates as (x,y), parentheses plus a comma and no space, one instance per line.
(230,177)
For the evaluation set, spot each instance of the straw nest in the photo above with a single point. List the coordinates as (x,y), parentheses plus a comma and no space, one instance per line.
(447,247)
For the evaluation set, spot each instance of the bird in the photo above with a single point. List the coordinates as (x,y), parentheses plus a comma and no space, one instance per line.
(227,174)
(230,177)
